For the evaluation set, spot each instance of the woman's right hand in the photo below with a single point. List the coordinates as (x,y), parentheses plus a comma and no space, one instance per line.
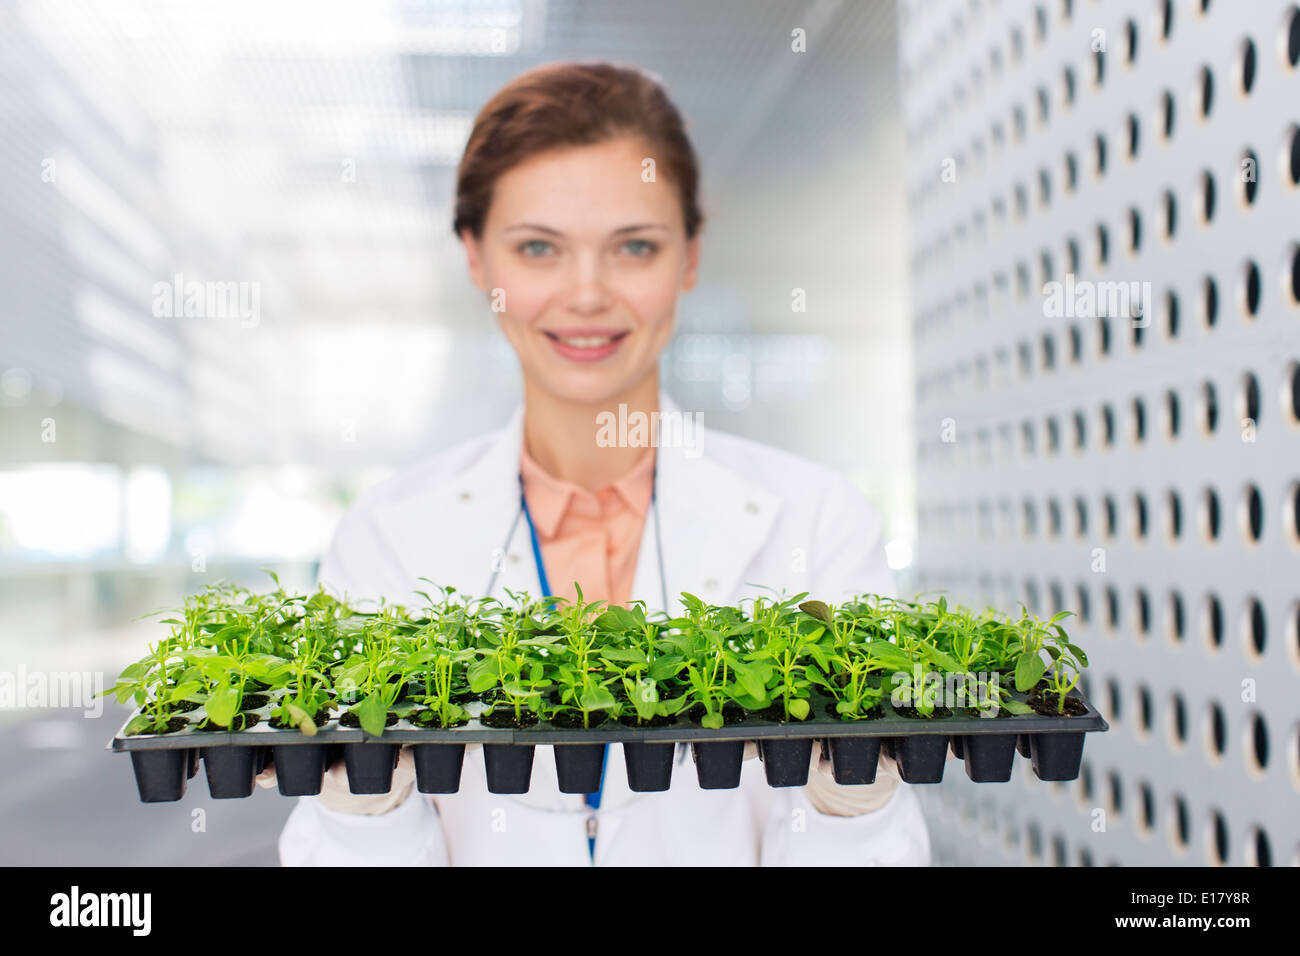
(335,794)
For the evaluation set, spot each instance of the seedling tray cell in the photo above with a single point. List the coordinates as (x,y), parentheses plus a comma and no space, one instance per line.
(438,767)
(300,770)
(509,767)
(579,767)
(921,757)
(989,757)
(370,765)
(649,765)
(786,762)
(231,771)
(161,775)
(718,763)
(854,759)
(1056,756)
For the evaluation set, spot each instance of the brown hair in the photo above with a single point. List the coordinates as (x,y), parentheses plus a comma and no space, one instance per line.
(572,104)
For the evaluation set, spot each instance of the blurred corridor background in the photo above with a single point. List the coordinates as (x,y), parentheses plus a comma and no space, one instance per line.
(301,155)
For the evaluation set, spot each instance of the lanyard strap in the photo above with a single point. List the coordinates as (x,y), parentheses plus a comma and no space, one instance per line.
(537,547)
(592,799)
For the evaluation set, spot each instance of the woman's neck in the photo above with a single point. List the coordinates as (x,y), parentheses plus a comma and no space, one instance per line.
(561,436)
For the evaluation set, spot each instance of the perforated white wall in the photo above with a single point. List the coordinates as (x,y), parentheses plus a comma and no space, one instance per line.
(1143,472)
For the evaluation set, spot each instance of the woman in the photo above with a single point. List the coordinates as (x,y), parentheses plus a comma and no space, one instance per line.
(576,204)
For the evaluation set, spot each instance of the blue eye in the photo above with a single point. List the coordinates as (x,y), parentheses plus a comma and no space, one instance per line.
(643,247)
(534,248)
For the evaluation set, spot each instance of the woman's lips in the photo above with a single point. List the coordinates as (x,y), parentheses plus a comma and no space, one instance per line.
(587,345)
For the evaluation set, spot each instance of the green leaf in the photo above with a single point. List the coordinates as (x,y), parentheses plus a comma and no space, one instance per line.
(751,679)
(646,705)
(372,713)
(665,667)
(1029,669)
(799,709)
(482,674)
(616,618)
(627,655)
(223,704)
(302,720)
(138,725)
(596,698)
(943,660)
(818,609)
(712,721)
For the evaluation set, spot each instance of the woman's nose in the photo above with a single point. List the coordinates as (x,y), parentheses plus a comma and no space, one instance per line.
(588,290)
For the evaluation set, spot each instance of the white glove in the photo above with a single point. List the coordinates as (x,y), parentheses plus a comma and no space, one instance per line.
(835,800)
(830,798)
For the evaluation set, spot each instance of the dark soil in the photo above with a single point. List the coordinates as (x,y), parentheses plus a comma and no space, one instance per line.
(776,712)
(572,719)
(875,713)
(184,706)
(1047,706)
(917,715)
(975,712)
(254,701)
(871,680)
(659,720)
(174,724)
(463,697)
(732,713)
(493,695)
(431,718)
(504,718)
(349,719)
(321,719)
(242,721)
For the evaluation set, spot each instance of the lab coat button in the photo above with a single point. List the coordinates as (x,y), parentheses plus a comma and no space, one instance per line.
(514,558)
(464,496)
(751,507)
(711,584)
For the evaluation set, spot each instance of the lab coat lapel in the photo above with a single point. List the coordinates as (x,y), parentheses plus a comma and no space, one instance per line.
(455,532)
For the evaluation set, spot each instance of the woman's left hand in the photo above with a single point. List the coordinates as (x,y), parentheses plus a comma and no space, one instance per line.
(840,800)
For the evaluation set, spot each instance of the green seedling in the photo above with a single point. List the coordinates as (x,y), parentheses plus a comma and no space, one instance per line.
(150,684)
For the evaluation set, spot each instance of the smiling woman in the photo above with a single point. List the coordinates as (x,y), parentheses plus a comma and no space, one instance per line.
(576,204)
(576,201)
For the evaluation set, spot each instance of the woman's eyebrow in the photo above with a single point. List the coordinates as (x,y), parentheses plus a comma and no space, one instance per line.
(555,232)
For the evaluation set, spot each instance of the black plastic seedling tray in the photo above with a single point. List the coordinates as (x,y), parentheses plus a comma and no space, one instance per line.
(164,763)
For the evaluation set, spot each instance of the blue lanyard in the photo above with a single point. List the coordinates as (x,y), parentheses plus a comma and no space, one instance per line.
(593,799)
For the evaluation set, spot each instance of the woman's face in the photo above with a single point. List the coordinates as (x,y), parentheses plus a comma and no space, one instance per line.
(583,262)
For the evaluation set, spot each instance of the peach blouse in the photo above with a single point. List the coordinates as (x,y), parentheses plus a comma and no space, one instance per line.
(589,537)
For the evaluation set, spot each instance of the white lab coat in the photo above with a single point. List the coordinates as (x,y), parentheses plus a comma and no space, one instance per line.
(735,516)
